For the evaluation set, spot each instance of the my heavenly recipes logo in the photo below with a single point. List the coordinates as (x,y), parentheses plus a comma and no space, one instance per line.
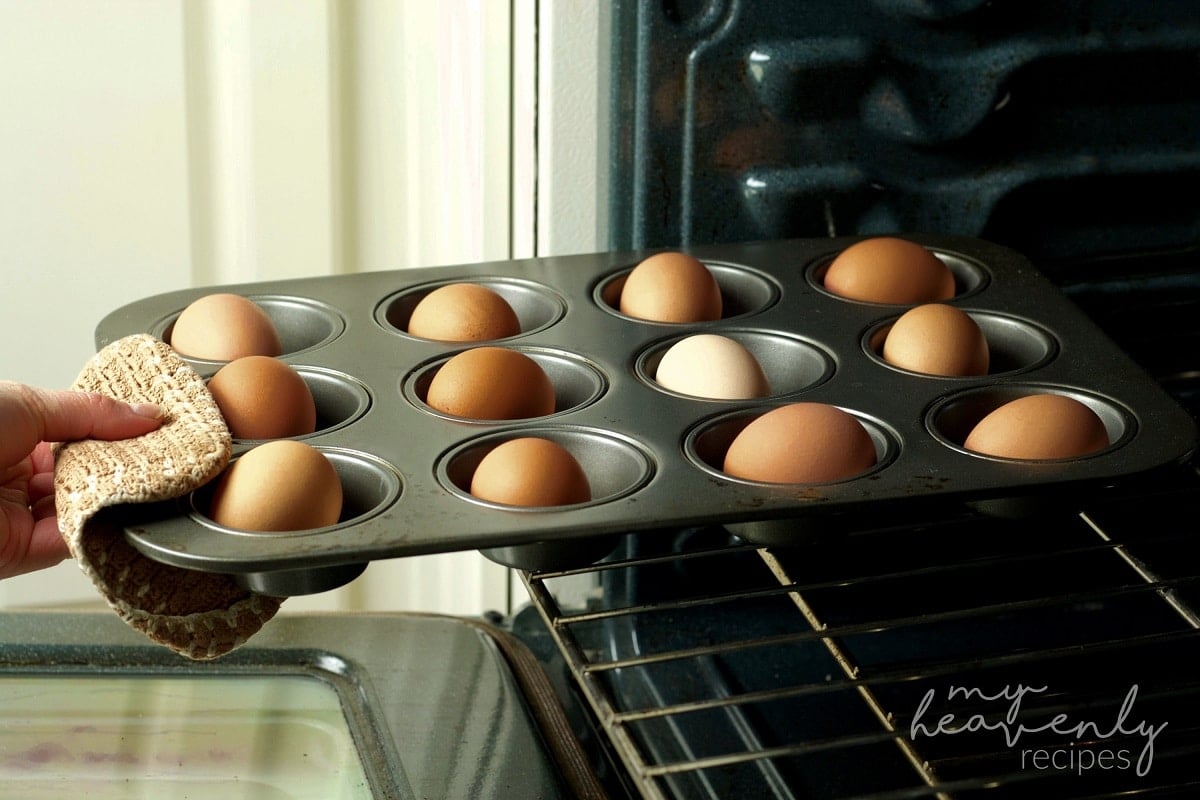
(1101,753)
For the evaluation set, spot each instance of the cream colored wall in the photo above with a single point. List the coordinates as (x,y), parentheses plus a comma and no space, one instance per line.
(150,145)
(93,174)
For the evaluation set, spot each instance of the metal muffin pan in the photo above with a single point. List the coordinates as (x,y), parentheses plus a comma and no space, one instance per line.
(653,456)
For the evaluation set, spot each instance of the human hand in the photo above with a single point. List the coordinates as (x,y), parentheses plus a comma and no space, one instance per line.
(30,420)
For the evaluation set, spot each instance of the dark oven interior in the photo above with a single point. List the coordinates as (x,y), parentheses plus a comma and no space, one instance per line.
(1045,655)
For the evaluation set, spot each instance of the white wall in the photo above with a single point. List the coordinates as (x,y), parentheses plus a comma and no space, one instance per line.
(150,145)
(93,174)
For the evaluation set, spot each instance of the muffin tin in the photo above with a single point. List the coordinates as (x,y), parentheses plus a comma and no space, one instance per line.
(653,456)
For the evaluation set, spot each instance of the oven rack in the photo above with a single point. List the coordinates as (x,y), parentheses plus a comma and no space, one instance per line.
(716,669)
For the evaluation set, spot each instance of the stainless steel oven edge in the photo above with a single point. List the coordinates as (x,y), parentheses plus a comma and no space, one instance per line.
(430,702)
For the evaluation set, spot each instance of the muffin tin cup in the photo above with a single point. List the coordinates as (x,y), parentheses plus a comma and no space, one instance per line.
(792,364)
(370,487)
(536,305)
(705,446)
(970,277)
(304,324)
(744,291)
(952,418)
(299,581)
(614,466)
(602,364)
(340,399)
(577,382)
(1014,345)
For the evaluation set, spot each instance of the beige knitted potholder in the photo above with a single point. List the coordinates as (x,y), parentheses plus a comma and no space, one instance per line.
(200,615)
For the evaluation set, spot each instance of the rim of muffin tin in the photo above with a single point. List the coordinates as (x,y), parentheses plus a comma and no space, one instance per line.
(303,324)
(951,418)
(578,381)
(745,291)
(706,442)
(778,354)
(370,486)
(616,465)
(536,305)
(1015,345)
(971,276)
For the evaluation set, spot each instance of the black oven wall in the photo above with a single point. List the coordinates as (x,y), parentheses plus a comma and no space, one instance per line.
(1069,131)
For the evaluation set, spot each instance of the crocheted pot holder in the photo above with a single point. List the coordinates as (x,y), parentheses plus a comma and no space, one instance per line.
(200,615)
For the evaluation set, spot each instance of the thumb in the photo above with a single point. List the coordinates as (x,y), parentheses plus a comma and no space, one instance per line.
(33,415)
(70,415)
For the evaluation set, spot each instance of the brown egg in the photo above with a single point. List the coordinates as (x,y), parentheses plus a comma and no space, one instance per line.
(671,287)
(222,327)
(712,366)
(491,383)
(1039,426)
(530,471)
(463,312)
(937,339)
(283,485)
(886,269)
(801,443)
(263,398)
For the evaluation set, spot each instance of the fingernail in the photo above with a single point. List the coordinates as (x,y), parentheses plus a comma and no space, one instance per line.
(148,410)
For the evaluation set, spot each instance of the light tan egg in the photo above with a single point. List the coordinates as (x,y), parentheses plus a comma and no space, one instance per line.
(222,327)
(530,471)
(1039,426)
(263,398)
(886,269)
(491,383)
(282,485)
(671,287)
(801,443)
(712,366)
(463,312)
(937,339)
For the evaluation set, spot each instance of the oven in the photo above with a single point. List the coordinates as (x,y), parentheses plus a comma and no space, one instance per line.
(944,650)
(901,659)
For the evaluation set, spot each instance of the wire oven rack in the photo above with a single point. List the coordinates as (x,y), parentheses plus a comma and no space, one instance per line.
(970,657)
